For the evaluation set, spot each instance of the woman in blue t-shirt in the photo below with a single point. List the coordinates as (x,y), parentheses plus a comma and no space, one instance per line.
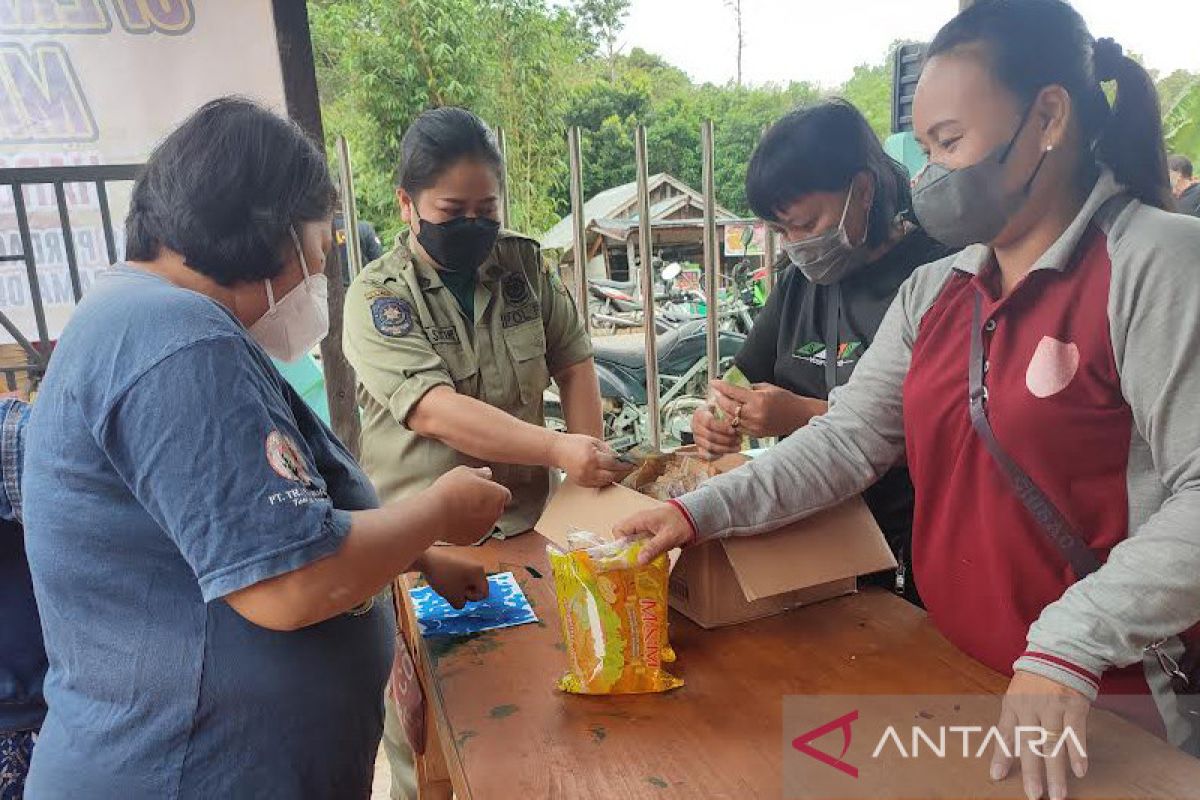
(203,550)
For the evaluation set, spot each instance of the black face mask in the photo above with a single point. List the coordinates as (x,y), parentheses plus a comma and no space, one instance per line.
(460,244)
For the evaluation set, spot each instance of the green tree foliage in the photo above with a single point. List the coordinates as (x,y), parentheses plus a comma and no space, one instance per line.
(535,68)
(381,63)
(602,21)
(1181,121)
(649,92)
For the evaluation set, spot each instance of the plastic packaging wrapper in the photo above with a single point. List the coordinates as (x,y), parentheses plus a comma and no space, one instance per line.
(733,377)
(614,617)
(666,477)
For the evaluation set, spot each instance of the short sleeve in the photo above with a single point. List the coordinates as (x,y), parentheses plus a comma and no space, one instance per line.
(758,355)
(566,342)
(206,443)
(383,340)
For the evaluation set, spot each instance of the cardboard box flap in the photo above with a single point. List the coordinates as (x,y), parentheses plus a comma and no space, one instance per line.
(575,508)
(840,542)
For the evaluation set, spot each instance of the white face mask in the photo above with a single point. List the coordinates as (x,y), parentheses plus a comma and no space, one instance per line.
(300,320)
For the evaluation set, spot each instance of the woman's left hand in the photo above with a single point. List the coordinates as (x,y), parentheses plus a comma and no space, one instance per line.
(765,410)
(1036,705)
(457,580)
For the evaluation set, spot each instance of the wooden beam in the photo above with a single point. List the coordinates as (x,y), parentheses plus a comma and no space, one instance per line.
(294,41)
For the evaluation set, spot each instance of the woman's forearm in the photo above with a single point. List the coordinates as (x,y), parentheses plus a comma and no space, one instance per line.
(579,392)
(382,543)
(481,431)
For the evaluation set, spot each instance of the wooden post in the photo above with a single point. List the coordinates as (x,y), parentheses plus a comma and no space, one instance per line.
(578,228)
(505,208)
(770,242)
(646,281)
(294,41)
(354,256)
(712,254)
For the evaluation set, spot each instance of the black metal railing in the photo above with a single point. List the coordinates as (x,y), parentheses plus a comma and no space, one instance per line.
(17,178)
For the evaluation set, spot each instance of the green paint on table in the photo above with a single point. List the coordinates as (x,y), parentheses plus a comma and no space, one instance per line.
(500,712)
(474,644)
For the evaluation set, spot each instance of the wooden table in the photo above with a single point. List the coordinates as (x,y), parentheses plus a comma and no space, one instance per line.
(500,729)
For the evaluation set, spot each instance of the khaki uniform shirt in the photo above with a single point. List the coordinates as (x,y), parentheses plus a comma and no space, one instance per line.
(405,333)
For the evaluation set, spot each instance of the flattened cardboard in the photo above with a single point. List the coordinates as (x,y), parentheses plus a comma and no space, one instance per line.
(597,510)
(742,578)
(837,543)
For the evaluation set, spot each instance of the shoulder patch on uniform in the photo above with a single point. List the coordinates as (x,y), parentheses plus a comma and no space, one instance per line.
(284,457)
(515,288)
(375,292)
(392,316)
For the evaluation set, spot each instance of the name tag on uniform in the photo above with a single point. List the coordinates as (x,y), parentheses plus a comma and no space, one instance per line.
(519,316)
(444,335)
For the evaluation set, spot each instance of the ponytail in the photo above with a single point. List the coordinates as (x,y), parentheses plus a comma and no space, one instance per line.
(1032,44)
(1130,141)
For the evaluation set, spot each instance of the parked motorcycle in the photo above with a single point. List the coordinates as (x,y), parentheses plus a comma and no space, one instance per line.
(612,305)
(682,378)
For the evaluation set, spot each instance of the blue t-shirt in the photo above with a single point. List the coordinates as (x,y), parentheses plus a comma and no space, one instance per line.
(168,464)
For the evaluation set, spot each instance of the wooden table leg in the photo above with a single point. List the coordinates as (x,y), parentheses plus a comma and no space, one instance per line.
(433,777)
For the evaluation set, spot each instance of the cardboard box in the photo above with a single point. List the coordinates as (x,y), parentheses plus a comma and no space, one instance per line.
(742,578)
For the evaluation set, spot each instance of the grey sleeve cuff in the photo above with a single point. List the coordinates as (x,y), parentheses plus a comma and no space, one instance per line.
(708,514)
(1060,670)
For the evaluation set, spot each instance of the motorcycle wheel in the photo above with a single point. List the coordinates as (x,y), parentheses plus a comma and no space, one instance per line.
(554,418)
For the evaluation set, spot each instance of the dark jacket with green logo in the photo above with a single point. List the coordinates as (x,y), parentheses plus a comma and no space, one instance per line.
(787,348)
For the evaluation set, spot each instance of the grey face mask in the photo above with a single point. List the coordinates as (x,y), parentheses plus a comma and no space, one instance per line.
(828,257)
(961,207)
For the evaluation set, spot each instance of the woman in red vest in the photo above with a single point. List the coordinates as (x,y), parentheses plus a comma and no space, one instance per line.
(1041,383)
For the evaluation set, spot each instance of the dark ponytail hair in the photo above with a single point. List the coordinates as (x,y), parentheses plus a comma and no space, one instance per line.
(820,148)
(437,140)
(1032,44)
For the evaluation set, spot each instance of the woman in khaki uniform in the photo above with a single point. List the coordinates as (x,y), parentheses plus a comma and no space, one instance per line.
(455,333)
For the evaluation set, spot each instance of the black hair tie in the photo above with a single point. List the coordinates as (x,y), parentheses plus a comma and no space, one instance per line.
(1107,58)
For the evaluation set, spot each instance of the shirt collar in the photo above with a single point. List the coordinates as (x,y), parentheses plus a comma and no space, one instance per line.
(973,259)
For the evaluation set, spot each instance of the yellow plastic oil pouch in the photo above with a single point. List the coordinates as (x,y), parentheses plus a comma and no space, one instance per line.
(614,617)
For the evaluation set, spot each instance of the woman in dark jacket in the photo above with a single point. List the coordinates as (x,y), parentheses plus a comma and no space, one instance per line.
(821,179)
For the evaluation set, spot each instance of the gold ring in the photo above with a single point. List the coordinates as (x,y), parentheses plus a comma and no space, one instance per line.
(737,418)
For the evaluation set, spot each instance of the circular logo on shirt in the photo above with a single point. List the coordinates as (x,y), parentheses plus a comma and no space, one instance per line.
(284,457)
(516,289)
(392,316)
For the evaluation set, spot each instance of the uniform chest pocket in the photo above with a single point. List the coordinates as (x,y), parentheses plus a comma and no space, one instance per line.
(527,349)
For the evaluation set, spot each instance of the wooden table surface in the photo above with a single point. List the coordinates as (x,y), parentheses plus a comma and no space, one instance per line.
(506,732)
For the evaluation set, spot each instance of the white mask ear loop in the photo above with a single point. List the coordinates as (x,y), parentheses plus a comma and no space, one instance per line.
(270,297)
(303,267)
(846,208)
(299,251)
(846,211)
